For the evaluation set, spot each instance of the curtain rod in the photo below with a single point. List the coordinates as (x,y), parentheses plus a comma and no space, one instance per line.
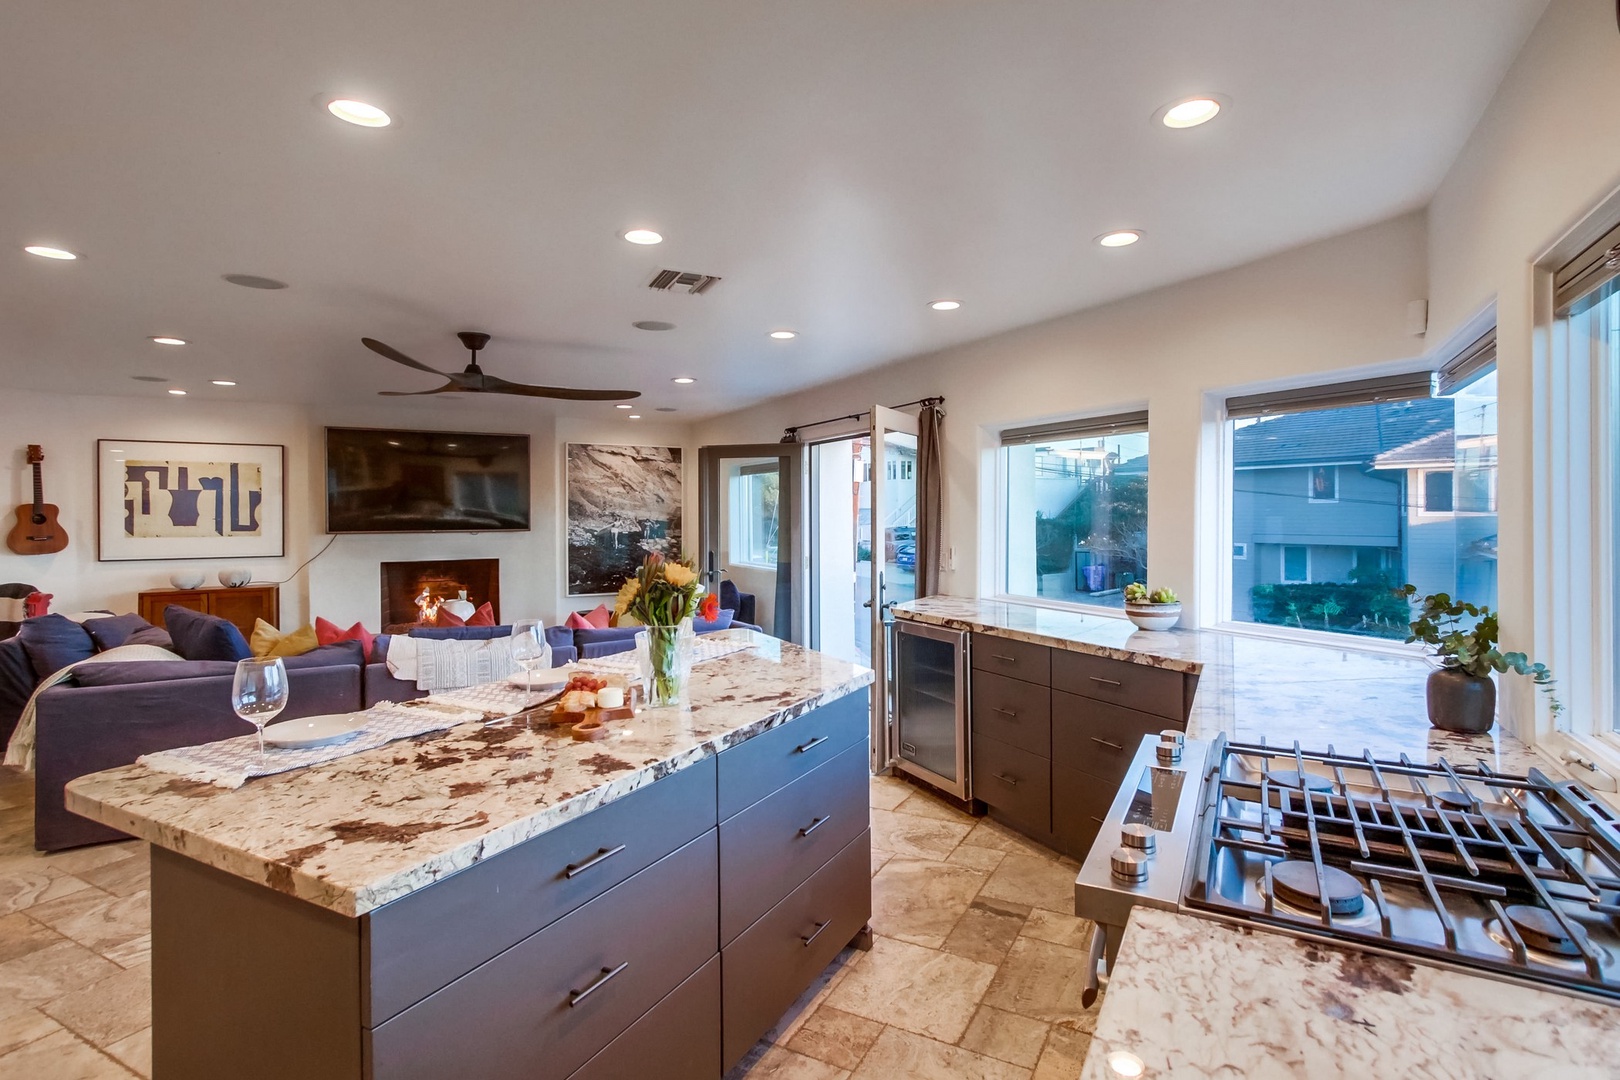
(791,434)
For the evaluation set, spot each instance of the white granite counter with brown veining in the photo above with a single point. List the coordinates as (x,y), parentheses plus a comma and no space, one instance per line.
(1194,998)
(358,832)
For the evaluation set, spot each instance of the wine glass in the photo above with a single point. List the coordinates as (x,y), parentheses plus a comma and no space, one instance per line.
(529,649)
(259,692)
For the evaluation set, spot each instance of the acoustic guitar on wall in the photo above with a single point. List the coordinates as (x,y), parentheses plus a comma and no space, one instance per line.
(37,531)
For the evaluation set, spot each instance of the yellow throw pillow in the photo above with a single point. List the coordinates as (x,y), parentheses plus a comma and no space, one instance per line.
(268,641)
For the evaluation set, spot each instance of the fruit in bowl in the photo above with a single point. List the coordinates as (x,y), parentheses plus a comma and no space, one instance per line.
(1152,609)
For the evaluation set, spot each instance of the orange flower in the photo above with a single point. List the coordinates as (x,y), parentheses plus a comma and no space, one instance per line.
(710,608)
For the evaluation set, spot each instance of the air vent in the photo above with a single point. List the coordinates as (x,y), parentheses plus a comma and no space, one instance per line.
(672,280)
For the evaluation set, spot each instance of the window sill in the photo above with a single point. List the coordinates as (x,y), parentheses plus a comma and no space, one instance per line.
(1059,605)
(1348,642)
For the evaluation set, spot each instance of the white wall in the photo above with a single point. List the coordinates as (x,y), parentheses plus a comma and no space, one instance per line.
(1326,307)
(342,584)
(1543,156)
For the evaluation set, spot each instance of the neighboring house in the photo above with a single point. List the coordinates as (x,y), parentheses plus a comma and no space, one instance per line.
(1337,495)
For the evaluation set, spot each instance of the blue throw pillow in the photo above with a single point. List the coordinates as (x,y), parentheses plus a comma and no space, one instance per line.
(115,631)
(722,621)
(52,642)
(204,637)
(461,633)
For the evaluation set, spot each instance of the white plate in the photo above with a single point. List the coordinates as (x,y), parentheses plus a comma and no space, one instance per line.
(314,730)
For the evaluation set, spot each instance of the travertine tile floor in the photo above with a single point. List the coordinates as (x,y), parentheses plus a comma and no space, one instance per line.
(975,973)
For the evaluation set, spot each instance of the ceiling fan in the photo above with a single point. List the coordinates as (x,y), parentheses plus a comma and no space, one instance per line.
(472,379)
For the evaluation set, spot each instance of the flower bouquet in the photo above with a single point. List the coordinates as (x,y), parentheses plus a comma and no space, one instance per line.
(663,597)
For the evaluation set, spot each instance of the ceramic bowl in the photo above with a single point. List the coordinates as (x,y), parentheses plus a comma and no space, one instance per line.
(1154,616)
(186,579)
(235,579)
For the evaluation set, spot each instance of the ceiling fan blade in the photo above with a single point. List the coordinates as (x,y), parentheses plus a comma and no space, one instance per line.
(396,356)
(494,385)
(447,388)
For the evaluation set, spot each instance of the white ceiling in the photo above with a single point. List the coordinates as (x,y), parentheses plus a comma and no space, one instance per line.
(840,164)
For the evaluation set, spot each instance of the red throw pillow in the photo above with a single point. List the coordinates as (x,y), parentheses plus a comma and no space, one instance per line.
(576,621)
(484,616)
(448,618)
(36,604)
(329,633)
(599,617)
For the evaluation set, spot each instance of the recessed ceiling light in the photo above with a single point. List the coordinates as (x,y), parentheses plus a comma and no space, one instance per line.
(684,380)
(169,340)
(624,406)
(45,252)
(177,392)
(1121,238)
(1125,1063)
(633,416)
(358,112)
(945,305)
(653,324)
(254,281)
(784,335)
(1191,113)
(223,382)
(644,236)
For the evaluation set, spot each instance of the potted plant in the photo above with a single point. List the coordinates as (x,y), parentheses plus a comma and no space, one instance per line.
(1461,694)
(1158,609)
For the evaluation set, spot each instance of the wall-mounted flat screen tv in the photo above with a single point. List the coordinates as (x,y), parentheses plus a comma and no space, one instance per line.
(425,481)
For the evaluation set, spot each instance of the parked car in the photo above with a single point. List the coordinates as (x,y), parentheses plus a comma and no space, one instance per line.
(905,556)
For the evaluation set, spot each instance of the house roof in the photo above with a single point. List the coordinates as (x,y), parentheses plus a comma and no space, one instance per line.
(1437,449)
(1327,436)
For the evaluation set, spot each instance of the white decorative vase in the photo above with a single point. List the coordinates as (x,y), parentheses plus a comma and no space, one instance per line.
(235,579)
(461,607)
(186,579)
(1154,616)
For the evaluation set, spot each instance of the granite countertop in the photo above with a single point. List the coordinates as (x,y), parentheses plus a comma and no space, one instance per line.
(1196,998)
(358,832)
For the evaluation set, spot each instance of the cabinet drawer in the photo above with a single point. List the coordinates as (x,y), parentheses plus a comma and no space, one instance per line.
(548,1004)
(754,769)
(1016,712)
(1136,686)
(1096,737)
(1014,781)
(496,903)
(1080,805)
(1004,656)
(775,960)
(681,1033)
(769,849)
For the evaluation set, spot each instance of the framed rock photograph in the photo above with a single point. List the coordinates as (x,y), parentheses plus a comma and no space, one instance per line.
(624,502)
(189,500)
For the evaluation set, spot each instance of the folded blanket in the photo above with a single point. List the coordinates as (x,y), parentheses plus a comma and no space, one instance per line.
(20,751)
(435,664)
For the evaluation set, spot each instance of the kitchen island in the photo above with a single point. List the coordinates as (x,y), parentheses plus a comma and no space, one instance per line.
(505,901)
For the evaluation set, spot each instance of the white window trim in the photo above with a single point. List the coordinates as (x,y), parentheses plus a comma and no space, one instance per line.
(1244,556)
(1328,638)
(1310,470)
(1282,564)
(1422,510)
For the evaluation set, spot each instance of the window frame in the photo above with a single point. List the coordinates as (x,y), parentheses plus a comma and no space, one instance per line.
(1240,552)
(743,524)
(1423,509)
(1282,564)
(1310,485)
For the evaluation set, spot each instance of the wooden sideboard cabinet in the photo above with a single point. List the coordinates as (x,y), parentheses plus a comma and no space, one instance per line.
(240,606)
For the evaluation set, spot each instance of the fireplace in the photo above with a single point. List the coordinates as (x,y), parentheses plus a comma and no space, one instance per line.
(409,587)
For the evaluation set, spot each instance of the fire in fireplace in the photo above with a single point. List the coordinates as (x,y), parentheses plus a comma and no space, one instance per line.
(413,591)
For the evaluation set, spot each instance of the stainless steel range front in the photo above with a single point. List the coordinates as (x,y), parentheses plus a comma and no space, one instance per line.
(1510,876)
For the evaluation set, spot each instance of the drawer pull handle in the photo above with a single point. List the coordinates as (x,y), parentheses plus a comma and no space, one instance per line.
(1105,682)
(601,980)
(1004,659)
(805,748)
(1098,820)
(1013,781)
(575,869)
(814,825)
(910,748)
(820,926)
(1004,712)
(1105,742)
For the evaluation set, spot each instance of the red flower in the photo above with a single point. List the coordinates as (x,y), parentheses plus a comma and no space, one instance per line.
(710,608)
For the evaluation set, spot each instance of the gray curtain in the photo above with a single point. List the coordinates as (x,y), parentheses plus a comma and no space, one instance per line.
(930,526)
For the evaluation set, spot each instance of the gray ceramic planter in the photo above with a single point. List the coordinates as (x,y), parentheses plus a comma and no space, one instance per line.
(1459,701)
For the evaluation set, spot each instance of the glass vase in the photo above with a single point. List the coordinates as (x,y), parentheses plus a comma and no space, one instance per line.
(668,663)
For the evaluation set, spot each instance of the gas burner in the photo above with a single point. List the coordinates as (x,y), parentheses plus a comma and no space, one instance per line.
(1541,931)
(1295,884)
(1454,800)
(1290,778)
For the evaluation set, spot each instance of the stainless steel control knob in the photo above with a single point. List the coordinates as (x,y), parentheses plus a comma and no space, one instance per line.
(1175,738)
(1137,836)
(1128,865)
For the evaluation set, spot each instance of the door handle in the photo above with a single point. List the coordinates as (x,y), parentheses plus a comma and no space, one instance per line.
(814,825)
(1105,742)
(1105,682)
(601,980)
(820,926)
(1011,781)
(602,856)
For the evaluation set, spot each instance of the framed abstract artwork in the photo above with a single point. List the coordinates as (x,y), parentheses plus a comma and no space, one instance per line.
(189,500)
(624,502)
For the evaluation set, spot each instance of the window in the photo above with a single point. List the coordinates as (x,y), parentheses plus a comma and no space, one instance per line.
(1074,496)
(754,494)
(1344,493)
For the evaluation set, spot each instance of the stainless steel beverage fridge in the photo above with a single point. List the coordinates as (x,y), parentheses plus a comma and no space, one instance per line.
(930,705)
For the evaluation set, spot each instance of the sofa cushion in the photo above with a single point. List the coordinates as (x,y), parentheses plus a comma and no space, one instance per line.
(461,633)
(337,654)
(204,637)
(329,633)
(17,682)
(52,642)
(268,640)
(128,672)
(112,632)
(152,635)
